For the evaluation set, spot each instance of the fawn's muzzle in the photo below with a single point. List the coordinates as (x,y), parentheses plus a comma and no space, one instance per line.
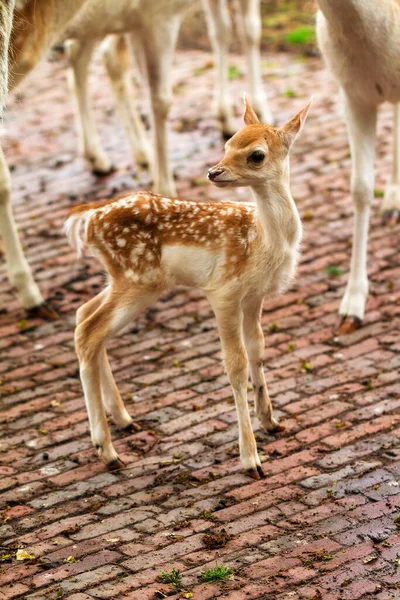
(214,173)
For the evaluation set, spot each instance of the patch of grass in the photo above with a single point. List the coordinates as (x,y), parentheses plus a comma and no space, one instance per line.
(301,36)
(207,514)
(273,327)
(217,573)
(233,72)
(290,93)
(174,577)
(333,271)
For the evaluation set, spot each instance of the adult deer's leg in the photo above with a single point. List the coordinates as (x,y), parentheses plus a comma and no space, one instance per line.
(361,124)
(6,17)
(251,22)
(114,313)
(116,58)
(230,319)
(19,272)
(254,341)
(80,53)
(219,31)
(158,42)
(391,201)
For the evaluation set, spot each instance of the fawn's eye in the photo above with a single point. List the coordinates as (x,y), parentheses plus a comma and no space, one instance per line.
(257,157)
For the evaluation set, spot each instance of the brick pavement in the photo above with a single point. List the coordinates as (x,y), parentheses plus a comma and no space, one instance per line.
(322,524)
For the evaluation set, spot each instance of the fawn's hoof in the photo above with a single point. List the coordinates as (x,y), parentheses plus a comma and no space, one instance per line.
(391,217)
(347,324)
(132,427)
(257,473)
(43,311)
(115,465)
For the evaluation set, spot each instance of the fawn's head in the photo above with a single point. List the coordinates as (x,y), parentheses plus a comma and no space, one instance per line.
(257,153)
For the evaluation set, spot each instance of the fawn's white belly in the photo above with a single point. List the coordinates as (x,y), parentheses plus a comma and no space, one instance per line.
(191,266)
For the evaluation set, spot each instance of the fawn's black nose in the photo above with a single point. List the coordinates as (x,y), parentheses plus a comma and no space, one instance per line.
(213,173)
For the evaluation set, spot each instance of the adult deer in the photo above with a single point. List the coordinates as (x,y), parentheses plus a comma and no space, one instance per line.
(155,25)
(153,31)
(359,42)
(238,253)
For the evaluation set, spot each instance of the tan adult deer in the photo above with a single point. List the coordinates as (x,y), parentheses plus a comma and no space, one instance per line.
(153,31)
(237,253)
(154,25)
(359,41)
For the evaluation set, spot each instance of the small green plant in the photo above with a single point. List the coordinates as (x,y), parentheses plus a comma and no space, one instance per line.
(333,271)
(207,514)
(290,93)
(174,577)
(233,72)
(217,573)
(378,193)
(301,36)
(273,327)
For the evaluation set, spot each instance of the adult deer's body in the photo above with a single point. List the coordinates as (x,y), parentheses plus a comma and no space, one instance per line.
(237,253)
(154,26)
(359,41)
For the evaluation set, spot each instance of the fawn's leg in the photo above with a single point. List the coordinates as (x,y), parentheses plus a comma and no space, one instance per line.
(391,201)
(111,397)
(251,25)
(254,341)
(80,53)
(229,319)
(114,313)
(219,31)
(158,42)
(116,59)
(361,124)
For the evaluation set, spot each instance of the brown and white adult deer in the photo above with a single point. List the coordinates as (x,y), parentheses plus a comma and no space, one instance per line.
(154,26)
(359,41)
(237,253)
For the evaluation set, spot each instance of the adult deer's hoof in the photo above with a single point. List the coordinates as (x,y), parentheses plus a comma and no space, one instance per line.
(43,311)
(391,217)
(347,325)
(277,428)
(103,172)
(132,427)
(256,474)
(115,465)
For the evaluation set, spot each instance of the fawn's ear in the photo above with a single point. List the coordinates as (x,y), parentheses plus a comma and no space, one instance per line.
(250,117)
(292,128)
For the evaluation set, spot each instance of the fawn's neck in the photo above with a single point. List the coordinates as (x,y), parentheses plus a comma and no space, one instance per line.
(278,213)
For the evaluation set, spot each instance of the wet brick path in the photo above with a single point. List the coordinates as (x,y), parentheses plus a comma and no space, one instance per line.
(322,525)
